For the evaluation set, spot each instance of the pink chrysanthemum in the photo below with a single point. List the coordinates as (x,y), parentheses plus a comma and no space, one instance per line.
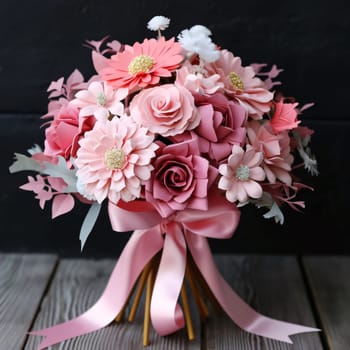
(114,159)
(240,174)
(140,65)
(242,84)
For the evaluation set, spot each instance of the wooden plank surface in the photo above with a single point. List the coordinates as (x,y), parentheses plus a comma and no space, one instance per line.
(274,287)
(23,279)
(330,286)
(77,286)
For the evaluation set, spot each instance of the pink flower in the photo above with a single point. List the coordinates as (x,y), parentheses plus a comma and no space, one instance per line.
(240,174)
(166,109)
(181,179)
(194,80)
(140,65)
(276,149)
(221,125)
(114,159)
(242,84)
(65,131)
(284,117)
(100,100)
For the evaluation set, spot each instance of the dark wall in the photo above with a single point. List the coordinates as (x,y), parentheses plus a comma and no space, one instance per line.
(42,41)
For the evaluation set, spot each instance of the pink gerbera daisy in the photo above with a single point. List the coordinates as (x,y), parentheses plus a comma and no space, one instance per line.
(140,65)
(240,174)
(114,159)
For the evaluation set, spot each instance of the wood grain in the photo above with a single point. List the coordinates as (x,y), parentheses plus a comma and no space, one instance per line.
(330,286)
(274,287)
(77,286)
(23,279)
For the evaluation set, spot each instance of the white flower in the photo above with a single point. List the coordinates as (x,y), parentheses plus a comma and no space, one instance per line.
(158,23)
(197,40)
(199,29)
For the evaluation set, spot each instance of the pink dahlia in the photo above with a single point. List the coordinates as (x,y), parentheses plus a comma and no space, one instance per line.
(242,84)
(240,174)
(114,159)
(140,65)
(276,149)
(100,100)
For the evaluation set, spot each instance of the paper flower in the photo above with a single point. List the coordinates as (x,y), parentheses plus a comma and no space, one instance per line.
(197,40)
(100,100)
(284,117)
(193,79)
(277,157)
(140,65)
(240,175)
(181,179)
(221,125)
(65,131)
(166,109)
(242,84)
(114,159)
(158,23)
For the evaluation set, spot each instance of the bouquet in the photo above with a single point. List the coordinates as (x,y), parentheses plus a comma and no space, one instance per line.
(176,136)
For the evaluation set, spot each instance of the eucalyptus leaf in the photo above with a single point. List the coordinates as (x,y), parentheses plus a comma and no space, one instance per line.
(89,223)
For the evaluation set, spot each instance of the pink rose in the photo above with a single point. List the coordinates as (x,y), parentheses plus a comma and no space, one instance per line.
(64,132)
(180,179)
(166,109)
(221,125)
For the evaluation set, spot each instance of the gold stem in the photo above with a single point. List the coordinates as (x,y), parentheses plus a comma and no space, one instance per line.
(121,314)
(138,293)
(187,312)
(147,316)
(202,307)
(203,284)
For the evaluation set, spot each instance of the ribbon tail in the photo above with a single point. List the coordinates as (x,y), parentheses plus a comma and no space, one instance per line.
(166,314)
(141,247)
(237,309)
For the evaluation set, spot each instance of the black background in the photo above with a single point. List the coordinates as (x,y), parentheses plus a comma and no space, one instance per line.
(42,41)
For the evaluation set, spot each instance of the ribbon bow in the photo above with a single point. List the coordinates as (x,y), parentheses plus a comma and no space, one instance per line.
(185,229)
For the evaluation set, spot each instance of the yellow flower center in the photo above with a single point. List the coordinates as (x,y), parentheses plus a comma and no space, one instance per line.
(236,81)
(114,158)
(141,63)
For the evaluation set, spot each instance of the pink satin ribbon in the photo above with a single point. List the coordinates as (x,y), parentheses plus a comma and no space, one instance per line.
(189,228)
